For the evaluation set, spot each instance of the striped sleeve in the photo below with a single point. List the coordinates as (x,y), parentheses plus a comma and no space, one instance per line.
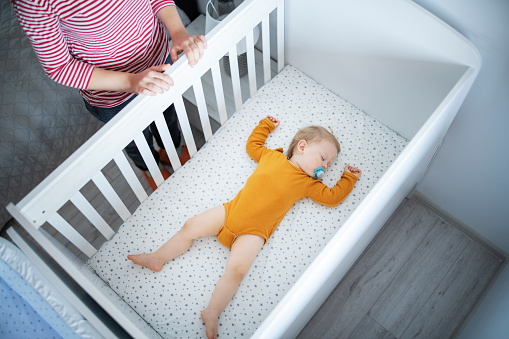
(158,4)
(42,28)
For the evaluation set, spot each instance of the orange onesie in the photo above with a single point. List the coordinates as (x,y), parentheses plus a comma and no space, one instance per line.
(273,188)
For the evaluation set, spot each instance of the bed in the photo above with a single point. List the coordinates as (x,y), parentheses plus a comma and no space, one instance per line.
(388,86)
(31,305)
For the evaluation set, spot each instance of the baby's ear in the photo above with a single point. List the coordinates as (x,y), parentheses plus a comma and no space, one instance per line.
(302,145)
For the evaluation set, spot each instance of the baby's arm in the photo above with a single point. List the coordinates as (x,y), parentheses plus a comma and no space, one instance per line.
(324,195)
(332,196)
(256,143)
(354,170)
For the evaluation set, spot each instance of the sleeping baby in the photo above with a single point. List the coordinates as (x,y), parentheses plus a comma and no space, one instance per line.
(245,223)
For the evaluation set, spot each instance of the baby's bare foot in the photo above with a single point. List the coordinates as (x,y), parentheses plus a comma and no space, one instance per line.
(148,260)
(210,321)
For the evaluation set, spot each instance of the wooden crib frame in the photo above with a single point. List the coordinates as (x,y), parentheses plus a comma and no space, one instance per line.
(85,165)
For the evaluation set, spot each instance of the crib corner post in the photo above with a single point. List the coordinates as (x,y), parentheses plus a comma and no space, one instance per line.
(281,36)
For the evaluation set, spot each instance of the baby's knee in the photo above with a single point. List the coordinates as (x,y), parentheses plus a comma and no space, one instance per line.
(238,271)
(190,229)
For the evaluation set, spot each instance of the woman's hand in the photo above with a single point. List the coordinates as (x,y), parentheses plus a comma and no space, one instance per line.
(151,81)
(192,45)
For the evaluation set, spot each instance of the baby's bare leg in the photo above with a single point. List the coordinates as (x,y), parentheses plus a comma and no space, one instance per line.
(243,253)
(205,224)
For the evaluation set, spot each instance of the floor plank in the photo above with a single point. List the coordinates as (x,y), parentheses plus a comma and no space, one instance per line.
(364,284)
(420,277)
(412,286)
(447,307)
(369,328)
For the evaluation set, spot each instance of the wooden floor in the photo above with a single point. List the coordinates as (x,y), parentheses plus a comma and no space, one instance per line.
(420,278)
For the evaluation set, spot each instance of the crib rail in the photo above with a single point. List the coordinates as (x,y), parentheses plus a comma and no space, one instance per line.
(87,165)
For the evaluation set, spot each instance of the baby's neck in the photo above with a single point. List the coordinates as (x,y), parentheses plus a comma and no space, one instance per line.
(294,161)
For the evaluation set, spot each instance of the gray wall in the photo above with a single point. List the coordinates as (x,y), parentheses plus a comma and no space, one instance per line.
(468,178)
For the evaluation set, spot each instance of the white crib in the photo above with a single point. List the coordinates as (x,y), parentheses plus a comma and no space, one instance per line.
(392,60)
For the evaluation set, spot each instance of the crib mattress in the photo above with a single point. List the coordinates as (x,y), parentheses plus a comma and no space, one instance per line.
(171,300)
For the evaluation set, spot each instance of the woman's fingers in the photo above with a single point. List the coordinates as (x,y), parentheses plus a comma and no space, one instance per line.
(193,46)
(152,81)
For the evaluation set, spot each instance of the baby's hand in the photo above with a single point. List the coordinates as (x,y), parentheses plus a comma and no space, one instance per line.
(354,170)
(274,120)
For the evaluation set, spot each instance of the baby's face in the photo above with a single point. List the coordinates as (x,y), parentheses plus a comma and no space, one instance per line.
(317,154)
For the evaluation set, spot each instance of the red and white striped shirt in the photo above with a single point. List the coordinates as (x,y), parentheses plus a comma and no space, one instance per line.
(71,37)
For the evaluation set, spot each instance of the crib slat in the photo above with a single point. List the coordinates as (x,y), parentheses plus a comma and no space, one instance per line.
(185,126)
(130,176)
(202,109)
(148,157)
(280,36)
(61,225)
(218,89)
(91,214)
(109,193)
(234,71)
(162,127)
(266,48)
(251,68)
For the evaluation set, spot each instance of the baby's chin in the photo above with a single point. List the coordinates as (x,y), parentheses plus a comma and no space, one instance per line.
(311,174)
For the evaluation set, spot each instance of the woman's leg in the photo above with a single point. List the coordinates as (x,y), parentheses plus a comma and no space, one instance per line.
(205,224)
(244,251)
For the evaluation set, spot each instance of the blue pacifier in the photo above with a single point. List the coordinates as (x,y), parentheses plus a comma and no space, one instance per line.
(319,173)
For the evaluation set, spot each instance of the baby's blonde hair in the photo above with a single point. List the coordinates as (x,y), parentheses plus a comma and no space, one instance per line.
(312,134)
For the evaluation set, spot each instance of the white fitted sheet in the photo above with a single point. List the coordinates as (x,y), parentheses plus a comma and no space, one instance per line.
(171,300)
